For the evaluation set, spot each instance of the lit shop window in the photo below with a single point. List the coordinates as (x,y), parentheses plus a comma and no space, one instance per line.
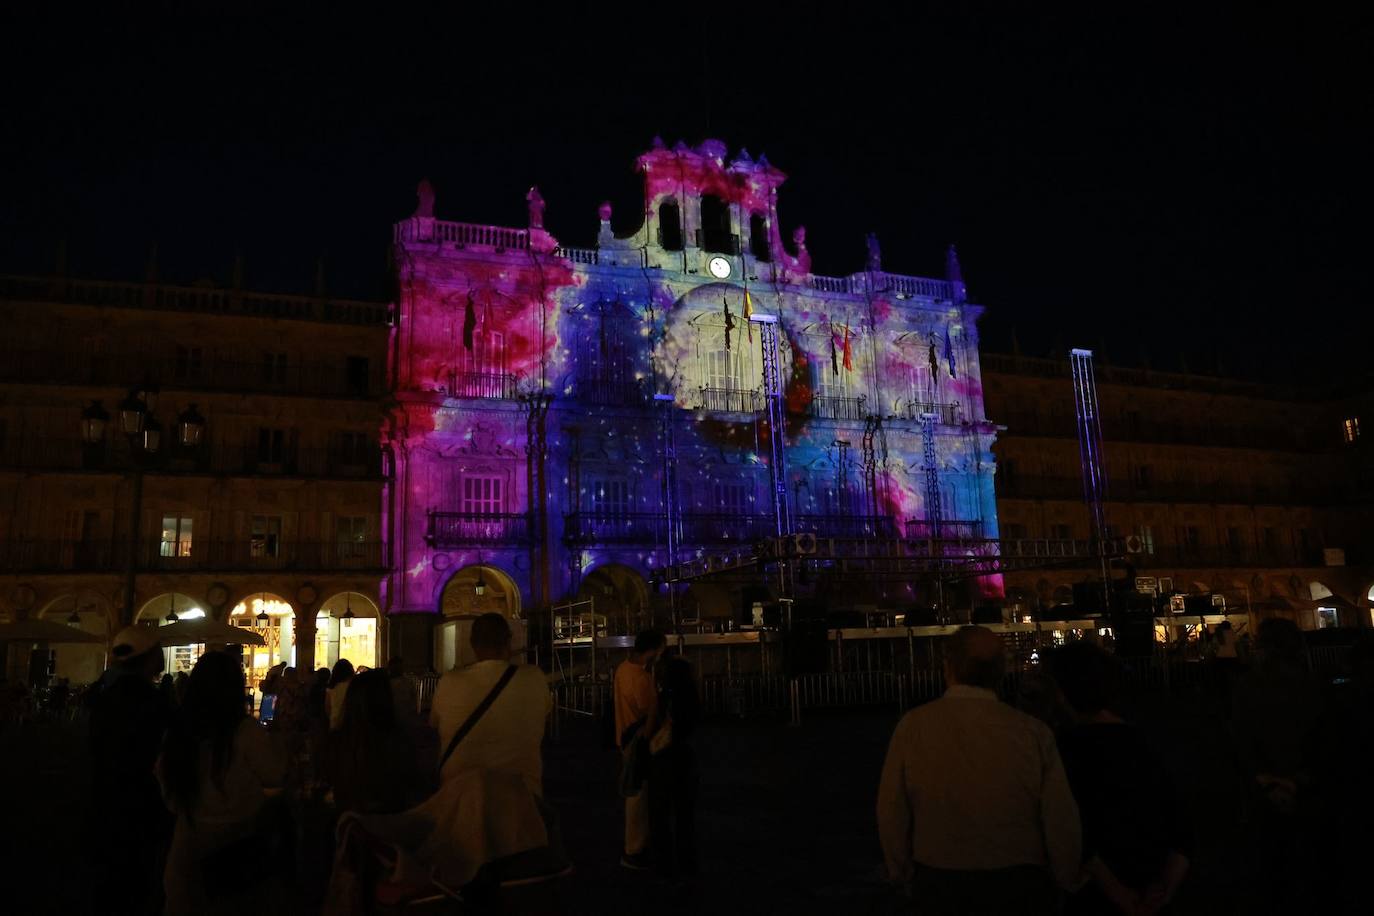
(1352,429)
(176,536)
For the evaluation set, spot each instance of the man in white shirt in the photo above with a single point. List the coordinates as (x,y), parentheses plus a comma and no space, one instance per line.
(507,738)
(974,798)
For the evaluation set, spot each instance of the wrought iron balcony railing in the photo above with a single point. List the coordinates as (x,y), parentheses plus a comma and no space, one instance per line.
(827,408)
(195,555)
(41,453)
(461,529)
(947,414)
(488,385)
(732,400)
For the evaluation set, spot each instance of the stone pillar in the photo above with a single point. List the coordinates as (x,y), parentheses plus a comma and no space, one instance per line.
(307,604)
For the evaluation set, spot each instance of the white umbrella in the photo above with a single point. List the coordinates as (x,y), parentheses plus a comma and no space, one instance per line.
(44,631)
(207,631)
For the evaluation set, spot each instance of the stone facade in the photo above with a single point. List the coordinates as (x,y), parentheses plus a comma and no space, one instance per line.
(1231,488)
(280,499)
(639,363)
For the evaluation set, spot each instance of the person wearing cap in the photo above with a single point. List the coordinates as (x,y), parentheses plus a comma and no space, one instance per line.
(128,717)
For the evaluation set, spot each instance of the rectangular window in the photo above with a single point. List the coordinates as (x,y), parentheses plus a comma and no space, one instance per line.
(1352,429)
(1147,538)
(351,448)
(1144,477)
(265,539)
(272,446)
(732,499)
(188,364)
(483,495)
(1235,539)
(610,498)
(357,374)
(350,533)
(1190,536)
(488,353)
(176,536)
(1061,532)
(1014,532)
(274,368)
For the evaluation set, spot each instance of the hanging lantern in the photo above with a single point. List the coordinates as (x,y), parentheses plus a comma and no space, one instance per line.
(152,435)
(190,427)
(172,610)
(262,617)
(348,610)
(480,588)
(93,422)
(131,414)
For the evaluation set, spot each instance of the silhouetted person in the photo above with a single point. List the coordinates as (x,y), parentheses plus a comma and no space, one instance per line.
(371,761)
(337,691)
(1275,707)
(403,693)
(673,773)
(973,797)
(1136,839)
(128,716)
(214,767)
(635,696)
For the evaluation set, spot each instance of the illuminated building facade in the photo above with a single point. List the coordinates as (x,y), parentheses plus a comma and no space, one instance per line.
(568,421)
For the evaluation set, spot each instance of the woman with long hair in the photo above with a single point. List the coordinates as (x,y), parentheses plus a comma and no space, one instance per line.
(372,763)
(215,764)
(337,691)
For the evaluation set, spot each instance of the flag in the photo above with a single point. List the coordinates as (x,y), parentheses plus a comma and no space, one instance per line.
(949,353)
(748,313)
(934,362)
(848,351)
(469,324)
(834,357)
(729,322)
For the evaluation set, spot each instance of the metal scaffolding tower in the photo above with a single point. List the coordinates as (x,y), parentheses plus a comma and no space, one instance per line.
(1091,457)
(773,410)
(931,466)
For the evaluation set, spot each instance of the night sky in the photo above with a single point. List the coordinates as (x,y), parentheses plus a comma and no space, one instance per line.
(1186,188)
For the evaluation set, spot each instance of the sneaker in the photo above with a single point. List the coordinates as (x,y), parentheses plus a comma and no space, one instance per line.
(637,862)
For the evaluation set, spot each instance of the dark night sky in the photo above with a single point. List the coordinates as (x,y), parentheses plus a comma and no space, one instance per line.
(1193,185)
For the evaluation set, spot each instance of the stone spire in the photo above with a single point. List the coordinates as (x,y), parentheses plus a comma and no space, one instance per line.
(955,275)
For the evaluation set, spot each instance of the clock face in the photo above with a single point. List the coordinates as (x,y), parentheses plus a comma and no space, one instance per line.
(719,267)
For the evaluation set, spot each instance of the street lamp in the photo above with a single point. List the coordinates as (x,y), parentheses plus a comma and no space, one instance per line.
(132,411)
(172,609)
(152,435)
(190,427)
(262,617)
(348,610)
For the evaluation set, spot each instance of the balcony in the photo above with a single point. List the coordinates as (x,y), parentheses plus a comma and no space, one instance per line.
(61,366)
(839,408)
(714,529)
(213,556)
(461,235)
(952,529)
(43,454)
(615,528)
(488,385)
(1182,556)
(945,414)
(846,526)
(164,297)
(464,529)
(731,400)
(612,392)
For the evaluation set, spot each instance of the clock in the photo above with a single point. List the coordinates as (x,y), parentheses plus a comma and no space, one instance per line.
(216,594)
(719,267)
(306,595)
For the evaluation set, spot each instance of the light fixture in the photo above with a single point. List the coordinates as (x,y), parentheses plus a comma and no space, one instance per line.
(480,588)
(262,617)
(75,618)
(172,609)
(149,396)
(348,610)
(94,418)
(131,414)
(190,427)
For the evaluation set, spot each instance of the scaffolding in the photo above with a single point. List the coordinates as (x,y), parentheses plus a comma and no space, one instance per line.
(1091,458)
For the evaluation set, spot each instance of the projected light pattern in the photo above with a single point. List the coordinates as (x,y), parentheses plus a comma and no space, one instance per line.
(490,317)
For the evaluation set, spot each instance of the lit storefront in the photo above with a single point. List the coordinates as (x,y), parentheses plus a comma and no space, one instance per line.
(346,627)
(273,619)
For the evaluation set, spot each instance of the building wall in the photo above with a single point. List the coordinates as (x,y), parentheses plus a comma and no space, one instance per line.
(604,330)
(1234,488)
(282,492)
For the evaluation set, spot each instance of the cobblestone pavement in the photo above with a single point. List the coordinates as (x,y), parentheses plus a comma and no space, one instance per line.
(786,820)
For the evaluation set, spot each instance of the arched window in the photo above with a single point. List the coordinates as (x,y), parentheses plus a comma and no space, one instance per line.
(714,234)
(758,237)
(670,226)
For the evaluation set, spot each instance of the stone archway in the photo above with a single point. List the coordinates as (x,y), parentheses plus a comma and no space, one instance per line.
(90,612)
(274,619)
(469,593)
(619,594)
(346,627)
(158,611)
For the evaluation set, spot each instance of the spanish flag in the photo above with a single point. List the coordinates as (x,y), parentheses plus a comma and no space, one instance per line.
(748,312)
(848,351)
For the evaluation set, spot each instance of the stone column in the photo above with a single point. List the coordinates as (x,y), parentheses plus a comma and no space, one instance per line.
(307,604)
